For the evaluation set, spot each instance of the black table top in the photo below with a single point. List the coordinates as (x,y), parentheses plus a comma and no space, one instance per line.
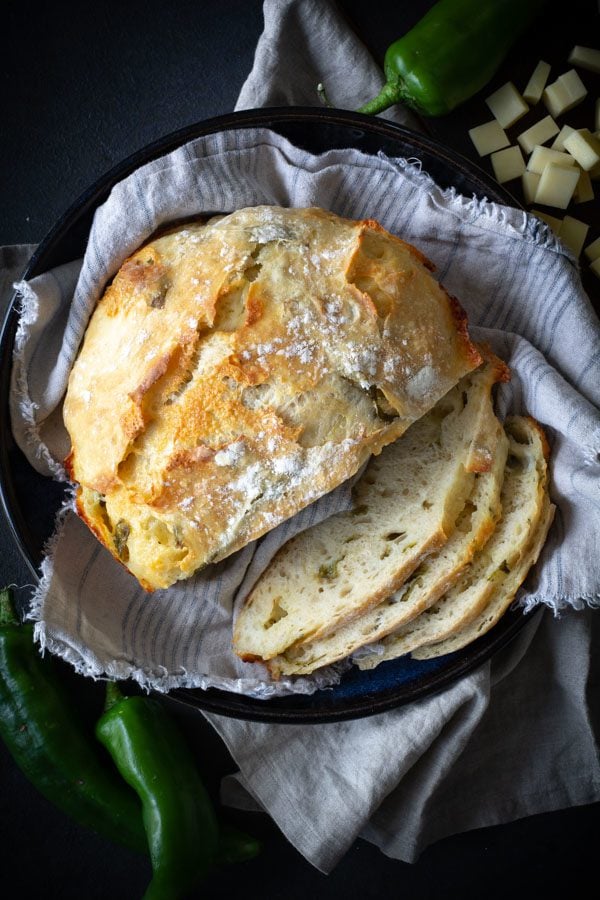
(84,86)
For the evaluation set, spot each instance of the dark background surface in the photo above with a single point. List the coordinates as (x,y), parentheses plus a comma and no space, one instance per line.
(83,86)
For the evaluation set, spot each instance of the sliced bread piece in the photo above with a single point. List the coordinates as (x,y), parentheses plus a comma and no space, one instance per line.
(524,495)
(502,597)
(427,583)
(405,507)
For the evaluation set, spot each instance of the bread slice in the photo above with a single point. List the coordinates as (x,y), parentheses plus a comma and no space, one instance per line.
(238,369)
(427,583)
(406,506)
(524,497)
(501,598)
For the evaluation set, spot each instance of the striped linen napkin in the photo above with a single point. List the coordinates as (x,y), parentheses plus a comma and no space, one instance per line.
(522,292)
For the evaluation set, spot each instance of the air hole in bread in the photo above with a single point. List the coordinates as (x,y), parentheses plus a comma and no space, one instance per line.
(394,535)
(252,272)
(231,309)
(385,410)
(278,612)
(514,462)
(372,246)
(426,504)
(520,436)
(382,301)
(257,395)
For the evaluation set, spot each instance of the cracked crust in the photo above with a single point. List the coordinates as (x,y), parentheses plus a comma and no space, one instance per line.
(236,370)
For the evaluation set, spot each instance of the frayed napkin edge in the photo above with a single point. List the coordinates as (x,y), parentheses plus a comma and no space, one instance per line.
(27,310)
(524,224)
(151,679)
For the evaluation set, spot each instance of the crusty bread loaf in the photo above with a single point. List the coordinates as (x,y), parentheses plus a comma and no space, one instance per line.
(406,506)
(524,551)
(235,371)
(428,582)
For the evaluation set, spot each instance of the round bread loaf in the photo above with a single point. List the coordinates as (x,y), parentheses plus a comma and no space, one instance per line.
(236,370)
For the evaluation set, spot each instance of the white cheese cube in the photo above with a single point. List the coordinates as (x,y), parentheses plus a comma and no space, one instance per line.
(592,251)
(556,99)
(508,164)
(585,58)
(529,183)
(584,147)
(573,85)
(552,221)
(542,156)
(559,142)
(539,133)
(584,190)
(488,137)
(536,84)
(595,267)
(563,94)
(556,185)
(507,105)
(573,232)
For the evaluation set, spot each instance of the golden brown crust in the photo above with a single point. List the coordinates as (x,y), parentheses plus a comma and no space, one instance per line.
(461,323)
(543,437)
(236,370)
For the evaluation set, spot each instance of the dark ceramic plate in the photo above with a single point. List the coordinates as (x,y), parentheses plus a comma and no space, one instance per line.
(30,501)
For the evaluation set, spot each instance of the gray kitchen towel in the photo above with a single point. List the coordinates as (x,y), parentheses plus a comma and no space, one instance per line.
(522,291)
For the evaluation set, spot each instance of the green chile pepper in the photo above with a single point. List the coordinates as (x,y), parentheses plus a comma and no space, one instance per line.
(451,53)
(154,759)
(51,746)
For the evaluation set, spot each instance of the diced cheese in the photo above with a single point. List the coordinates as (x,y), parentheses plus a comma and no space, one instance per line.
(508,164)
(556,99)
(559,142)
(552,221)
(595,267)
(573,232)
(488,137)
(592,251)
(507,105)
(556,185)
(536,84)
(563,94)
(542,156)
(584,147)
(584,190)
(529,183)
(539,133)
(574,86)
(585,58)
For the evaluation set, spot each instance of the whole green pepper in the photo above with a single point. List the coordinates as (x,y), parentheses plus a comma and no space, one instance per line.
(49,743)
(153,757)
(451,53)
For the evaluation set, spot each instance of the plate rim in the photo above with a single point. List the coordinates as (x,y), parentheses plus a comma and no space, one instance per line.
(214,700)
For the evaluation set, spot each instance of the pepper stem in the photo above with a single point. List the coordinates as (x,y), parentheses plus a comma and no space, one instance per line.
(323,95)
(389,94)
(8,613)
(113,695)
